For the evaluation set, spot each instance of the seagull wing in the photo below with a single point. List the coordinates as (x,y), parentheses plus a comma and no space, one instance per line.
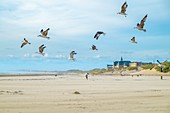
(133,39)
(41,48)
(96,35)
(72,55)
(123,8)
(23,44)
(158,62)
(45,33)
(142,23)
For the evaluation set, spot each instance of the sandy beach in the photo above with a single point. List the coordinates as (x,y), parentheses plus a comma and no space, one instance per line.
(99,94)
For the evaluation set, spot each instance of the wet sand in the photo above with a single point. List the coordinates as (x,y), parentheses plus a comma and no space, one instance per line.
(99,94)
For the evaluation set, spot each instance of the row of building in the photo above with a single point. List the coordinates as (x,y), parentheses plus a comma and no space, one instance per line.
(123,64)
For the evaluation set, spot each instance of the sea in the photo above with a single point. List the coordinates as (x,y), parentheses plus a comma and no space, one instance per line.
(14,65)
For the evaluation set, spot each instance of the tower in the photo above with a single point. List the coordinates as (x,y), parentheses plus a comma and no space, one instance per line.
(121,59)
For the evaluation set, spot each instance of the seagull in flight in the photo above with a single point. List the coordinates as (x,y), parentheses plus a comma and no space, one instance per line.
(72,53)
(44,33)
(25,42)
(133,40)
(41,49)
(140,26)
(93,47)
(97,35)
(160,65)
(123,9)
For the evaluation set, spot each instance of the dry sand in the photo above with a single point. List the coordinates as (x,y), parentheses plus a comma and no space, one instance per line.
(99,94)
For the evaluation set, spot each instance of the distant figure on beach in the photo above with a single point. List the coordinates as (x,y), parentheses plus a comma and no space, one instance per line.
(87,74)
(161,77)
(56,75)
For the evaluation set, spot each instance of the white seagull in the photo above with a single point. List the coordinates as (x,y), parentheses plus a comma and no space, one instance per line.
(93,47)
(44,33)
(72,53)
(25,42)
(98,34)
(41,49)
(161,65)
(123,9)
(133,40)
(140,26)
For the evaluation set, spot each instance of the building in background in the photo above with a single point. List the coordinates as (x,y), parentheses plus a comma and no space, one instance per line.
(123,64)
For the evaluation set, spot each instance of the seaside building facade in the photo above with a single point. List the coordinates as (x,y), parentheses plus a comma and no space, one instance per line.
(119,64)
(123,64)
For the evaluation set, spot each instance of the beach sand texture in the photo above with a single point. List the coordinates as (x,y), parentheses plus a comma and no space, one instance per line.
(99,94)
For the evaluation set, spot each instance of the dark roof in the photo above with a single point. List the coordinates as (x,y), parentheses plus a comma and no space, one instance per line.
(122,63)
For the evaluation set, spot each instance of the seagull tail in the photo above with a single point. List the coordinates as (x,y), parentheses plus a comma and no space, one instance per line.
(43,54)
(39,36)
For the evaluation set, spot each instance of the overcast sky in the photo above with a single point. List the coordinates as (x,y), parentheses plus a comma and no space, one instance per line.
(73,24)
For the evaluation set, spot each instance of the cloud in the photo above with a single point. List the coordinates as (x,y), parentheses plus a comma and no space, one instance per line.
(73,23)
(27,55)
(126,52)
(11,56)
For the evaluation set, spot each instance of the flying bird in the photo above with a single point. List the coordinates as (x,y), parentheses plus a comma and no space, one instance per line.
(41,49)
(25,42)
(72,53)
(160,65)
(123,9)
(140,26)
(44,33)
(97,35)
(133,40)
(94,47)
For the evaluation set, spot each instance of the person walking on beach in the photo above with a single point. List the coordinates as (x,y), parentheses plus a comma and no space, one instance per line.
(87,74)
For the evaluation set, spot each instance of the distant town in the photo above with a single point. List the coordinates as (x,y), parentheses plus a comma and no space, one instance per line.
(124,64)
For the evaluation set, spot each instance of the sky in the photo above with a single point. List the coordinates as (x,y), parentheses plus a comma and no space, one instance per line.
(73,24)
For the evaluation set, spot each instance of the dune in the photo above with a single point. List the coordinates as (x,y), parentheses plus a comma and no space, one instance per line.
(150,72)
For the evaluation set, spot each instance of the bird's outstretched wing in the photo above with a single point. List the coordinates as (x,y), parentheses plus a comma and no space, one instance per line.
(159,62)
(72,54)
(23,44)
(45,33)
(123,8)
(41,48)
(142,23)
(96,36)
